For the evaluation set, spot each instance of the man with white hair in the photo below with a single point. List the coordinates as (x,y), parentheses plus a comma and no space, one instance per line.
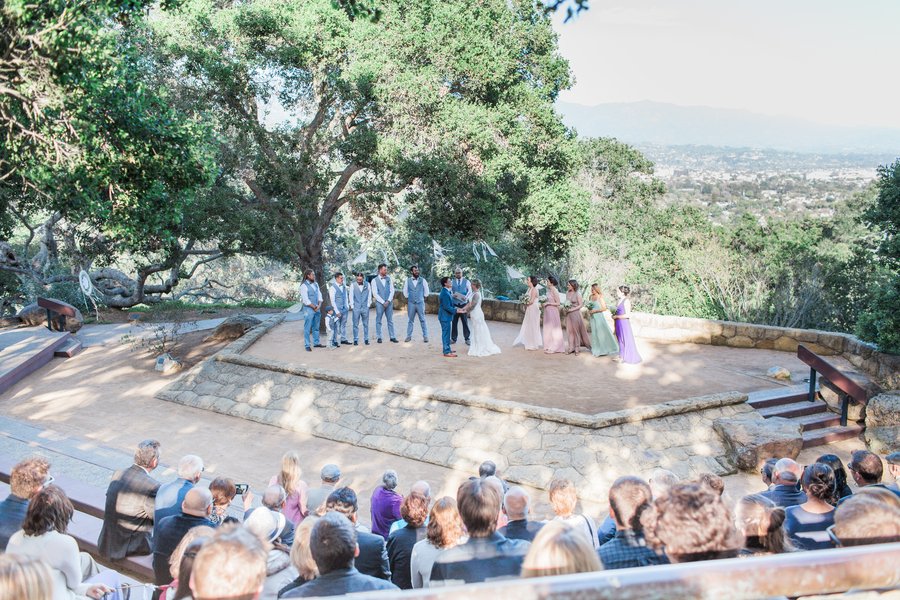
(171,495)
(786,489)
(516,506)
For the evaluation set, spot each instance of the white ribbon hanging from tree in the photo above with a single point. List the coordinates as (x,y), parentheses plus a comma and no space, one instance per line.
(514,273)
(485,250)
(87,290)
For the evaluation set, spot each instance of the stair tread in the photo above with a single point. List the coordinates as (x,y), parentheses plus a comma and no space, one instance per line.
(817,417)
(821,437)
(790,410)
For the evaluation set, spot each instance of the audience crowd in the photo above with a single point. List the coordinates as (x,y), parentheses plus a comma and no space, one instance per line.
(307,541)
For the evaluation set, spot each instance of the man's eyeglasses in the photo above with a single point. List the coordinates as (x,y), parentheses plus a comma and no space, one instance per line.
(49,480)
(834,539)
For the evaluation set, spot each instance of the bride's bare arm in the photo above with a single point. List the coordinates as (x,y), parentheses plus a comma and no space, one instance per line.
(471,303)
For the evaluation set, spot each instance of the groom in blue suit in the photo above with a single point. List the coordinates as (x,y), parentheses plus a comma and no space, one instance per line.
(446,310)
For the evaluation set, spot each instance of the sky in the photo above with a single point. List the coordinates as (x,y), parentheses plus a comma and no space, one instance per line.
(829,61)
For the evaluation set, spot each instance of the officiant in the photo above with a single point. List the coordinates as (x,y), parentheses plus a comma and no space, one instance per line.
(462,291)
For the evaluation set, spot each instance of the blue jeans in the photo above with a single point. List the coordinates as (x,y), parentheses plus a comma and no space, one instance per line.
(389,312)
(445,336)
(361,315)
(416,308)
(311,321)
(339,329)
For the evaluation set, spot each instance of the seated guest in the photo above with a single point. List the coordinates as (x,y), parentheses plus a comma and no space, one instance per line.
(489,469)
(400,543)
(224,490)
(762,524)
(372,558)
(866,468)
(195,510)
(27,478)
(840,475)
(25,577)
(182,561)
(691,523)
(487,555)
(275,499)
(660,481)
(44,536)
(333,546)
(516,506)
(267,525)
(862,519)
(881,494)
(807,524)
(893,461)
(316,497)
(130,503)
(558,549)
(170,495)
(716,483)
(422,488)
(767,471)
(230,565)
(629,497)
(563,499)
(444,530)
(786,489)
(386,503)
(301,556)
(295,488)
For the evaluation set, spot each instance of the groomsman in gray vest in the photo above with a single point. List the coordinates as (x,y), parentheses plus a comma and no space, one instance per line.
(360,301)
(311,296)
(337,291)
(460,288)
(383,292)
(416,290)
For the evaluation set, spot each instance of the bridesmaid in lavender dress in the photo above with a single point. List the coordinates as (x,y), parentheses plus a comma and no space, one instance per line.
(530,333)
(575,329)
(628,352)
(553,335)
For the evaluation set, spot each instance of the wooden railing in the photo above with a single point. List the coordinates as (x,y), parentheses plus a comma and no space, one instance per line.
(791,575)
(848,388)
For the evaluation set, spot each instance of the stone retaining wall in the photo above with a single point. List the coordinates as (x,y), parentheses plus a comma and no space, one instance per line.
(884,368)
(530,444)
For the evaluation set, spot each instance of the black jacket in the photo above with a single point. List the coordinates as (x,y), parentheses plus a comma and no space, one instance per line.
(399,547)
(373,557)
(338,583)
(521,529)
(169,533)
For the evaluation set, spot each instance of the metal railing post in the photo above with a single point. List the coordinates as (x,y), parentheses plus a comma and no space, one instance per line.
(812,385)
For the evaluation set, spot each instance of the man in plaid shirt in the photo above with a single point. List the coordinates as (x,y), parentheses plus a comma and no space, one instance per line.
(628,498)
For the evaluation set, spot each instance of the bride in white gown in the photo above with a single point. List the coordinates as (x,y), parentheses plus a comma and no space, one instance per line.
(482,344)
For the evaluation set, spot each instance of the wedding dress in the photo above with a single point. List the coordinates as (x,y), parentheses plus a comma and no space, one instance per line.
(482,344)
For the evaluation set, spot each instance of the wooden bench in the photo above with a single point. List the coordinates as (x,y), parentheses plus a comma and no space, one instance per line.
(849,389)
(89,503)
(56,308)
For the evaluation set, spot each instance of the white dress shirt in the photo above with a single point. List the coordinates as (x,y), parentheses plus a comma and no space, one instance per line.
(356,286)
(390,290)
(419,281)
(310,294)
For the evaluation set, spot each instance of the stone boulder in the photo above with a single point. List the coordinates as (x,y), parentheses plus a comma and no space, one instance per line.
(831,396)
(33,315)
(884,410)
(779,373)
(751,439)
(882,440)
(234,327)
(10,321)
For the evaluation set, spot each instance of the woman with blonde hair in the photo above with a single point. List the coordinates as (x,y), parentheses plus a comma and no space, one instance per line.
(444,530)
(762,524)
(559,549)
(563,499)
(295,488)
(25,577)
(301,556)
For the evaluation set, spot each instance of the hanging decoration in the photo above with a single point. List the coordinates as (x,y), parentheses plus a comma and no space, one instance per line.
(485,250)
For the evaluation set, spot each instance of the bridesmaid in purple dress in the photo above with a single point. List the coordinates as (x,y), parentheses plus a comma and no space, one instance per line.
(628,352)
(553,335)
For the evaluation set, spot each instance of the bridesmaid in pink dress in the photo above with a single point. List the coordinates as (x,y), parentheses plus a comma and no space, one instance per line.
(553,335)
(575,329)
(530,333)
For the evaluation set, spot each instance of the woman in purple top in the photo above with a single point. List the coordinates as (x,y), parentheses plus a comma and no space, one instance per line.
(628,352)
(385,504)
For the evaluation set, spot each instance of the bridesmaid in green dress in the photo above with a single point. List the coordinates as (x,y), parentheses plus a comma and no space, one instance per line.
(603,341)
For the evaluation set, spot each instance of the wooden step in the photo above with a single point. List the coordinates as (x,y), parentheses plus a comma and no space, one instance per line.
(796,409)
(821,437)
(69,349)
(778,396)
(818,421)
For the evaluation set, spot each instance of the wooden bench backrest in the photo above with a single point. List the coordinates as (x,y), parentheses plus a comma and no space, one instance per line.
(56,307)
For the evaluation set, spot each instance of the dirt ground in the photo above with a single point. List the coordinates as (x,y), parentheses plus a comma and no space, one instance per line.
(584,384)
(112,316)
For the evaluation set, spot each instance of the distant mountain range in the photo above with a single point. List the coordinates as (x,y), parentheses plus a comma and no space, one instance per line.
(673,125)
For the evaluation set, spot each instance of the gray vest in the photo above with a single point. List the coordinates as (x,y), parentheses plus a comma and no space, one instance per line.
(417,292)
(340,297)
(382,288)
(459,286)
(360,297)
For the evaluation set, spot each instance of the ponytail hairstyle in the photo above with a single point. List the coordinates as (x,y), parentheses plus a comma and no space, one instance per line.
(840,474)
(762,524)
(553,281)
(625,289)
(533,279)
(819,482)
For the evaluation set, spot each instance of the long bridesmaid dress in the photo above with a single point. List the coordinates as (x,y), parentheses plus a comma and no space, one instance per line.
(530,333)
(628,351)
(603,341)
(553,335)
(575,329)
